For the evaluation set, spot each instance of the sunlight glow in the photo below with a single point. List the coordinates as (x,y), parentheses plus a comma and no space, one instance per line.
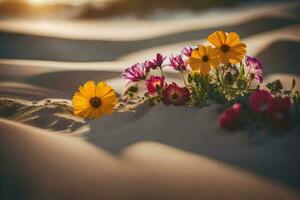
(70,2)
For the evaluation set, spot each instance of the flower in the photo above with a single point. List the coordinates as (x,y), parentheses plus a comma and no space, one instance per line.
(229,118)
(204,58)
(187,51)
(279,111)
(259,101)
(255,68)
(135,73)
(158,62)
(178,63)
(91,101)
(176,95)
(230,49)
(155,84)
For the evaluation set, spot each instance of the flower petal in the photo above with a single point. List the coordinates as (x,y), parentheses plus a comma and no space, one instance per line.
(195,63)
(217,38)
(205,68)
(90,88)
(232,39)
(103,89)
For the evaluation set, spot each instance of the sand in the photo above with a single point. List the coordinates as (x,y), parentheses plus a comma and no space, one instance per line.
(163,152)
(52,166)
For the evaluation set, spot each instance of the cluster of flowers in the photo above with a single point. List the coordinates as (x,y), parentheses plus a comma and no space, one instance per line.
(217,71)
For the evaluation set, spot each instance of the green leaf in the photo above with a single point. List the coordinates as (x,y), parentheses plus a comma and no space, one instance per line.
(190,78)
(133,89)
(275,87)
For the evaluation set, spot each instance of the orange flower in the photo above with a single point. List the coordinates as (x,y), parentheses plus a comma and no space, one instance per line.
(91,100)
(230,49)
(204,58)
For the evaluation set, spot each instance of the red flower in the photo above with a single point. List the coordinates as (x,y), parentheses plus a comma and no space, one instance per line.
(230,116)
(260,101)
(155,84)
(176,95)
(279,111)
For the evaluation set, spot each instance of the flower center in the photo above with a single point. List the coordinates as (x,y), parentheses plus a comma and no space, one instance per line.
(205,58)
(157,86)
(225,48)
(174,96)
(95,102)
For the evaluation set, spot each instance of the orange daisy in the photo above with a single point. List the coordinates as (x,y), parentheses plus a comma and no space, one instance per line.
(230,49)
(204,58)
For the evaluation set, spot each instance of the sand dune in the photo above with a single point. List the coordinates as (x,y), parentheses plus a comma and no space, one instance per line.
(197,131)
(14,46)
(146,169)
(136,29)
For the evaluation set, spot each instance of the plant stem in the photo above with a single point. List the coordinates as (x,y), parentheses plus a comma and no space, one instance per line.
(183,78)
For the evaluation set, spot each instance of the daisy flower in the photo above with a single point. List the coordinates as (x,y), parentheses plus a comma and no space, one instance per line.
(91,100)
(204,58)
(178,63)
(176,95)
(255,68)
(260,100)
(187,51)
(155,84)
(135,73)
(157,62)
(230,49)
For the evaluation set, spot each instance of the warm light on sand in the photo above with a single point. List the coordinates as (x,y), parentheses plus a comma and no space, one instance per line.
(72,2)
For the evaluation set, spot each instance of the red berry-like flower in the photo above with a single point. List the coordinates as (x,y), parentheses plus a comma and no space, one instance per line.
(260,100)
(279,111)
(176,95)
(155,84)
(228,119)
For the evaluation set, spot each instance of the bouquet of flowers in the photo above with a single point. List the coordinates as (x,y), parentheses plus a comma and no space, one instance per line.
(218,71)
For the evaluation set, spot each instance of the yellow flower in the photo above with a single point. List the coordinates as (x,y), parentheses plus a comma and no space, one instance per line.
(91,101)
(204,58)
(229,47)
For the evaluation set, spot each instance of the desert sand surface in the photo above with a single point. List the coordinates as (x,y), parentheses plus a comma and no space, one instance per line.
(71,168)
(160,152)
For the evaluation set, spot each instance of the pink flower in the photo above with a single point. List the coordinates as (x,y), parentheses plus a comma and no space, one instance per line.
(176,95)
(279,111)
(228,119)
(187,51)
(260,100)
(255,68)
(178,63)
(157,62)
(155,84)
(135,73)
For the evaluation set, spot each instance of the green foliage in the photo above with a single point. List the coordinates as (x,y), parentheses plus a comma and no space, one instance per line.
(275,87)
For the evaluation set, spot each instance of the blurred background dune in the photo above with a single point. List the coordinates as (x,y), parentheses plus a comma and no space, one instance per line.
(88,9)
